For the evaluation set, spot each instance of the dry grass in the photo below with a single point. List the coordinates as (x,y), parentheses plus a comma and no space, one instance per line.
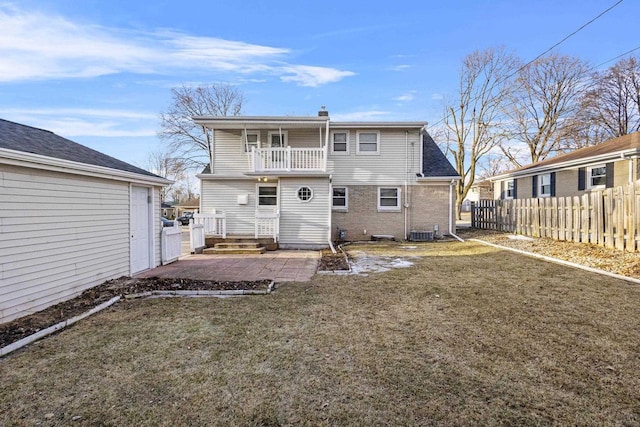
(467,336)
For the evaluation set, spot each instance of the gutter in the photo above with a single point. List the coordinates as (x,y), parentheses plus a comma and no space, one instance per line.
(451,184)
(535,170)
(30,160)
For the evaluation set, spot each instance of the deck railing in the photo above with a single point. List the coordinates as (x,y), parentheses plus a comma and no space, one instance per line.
(213,224)
(287,159)
(267,225)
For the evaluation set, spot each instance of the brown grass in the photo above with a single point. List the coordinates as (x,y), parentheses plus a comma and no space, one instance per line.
(467,336)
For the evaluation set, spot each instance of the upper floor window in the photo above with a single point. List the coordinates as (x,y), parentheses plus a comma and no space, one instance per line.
(544,185)
(509,192)
(340,142)
(278,139)
(252,139)
(340,198)
(597,176)
(368,142)
(389,198)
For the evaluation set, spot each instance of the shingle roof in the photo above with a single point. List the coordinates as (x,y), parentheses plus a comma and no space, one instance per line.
(434,162)
(14,136)
(616,145)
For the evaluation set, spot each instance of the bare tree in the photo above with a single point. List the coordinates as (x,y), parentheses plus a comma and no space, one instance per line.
(545,98)
(163,164)
(186,139)
(471,123)
(614,101)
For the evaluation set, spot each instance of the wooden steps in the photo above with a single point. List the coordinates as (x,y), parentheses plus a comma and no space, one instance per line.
(239,247)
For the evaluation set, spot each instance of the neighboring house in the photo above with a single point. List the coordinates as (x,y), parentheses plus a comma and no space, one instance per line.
(187,206)
(70,218)
(168,210)
(605,165)
(480,190)
(316,176)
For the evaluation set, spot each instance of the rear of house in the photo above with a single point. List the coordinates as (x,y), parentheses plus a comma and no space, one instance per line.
(70,218)
(305,181)
(610,164)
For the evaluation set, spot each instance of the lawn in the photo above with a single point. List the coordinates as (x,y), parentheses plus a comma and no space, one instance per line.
(468,335)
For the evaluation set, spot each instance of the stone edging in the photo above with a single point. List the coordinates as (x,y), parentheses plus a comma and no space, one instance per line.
(178,293)
(559,261)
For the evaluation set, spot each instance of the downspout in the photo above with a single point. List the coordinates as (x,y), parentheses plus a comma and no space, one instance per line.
(406,174)
(330,216)
(451,184)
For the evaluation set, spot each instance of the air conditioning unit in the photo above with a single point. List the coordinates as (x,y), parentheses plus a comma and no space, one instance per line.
(421,236)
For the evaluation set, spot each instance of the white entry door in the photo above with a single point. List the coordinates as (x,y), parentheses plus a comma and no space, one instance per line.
(140,230)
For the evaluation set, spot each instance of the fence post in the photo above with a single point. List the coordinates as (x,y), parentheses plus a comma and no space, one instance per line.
(473,214)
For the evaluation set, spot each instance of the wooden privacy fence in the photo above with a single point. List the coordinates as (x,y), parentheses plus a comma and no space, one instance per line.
(608,217)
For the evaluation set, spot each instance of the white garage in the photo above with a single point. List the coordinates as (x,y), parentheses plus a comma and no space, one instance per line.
(70,218)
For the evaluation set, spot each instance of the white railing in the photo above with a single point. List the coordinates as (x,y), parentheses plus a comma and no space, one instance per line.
(171,243)
(213,224)
(287,159)
(268,225)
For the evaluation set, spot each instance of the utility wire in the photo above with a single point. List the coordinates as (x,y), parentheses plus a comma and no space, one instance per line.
(616,57)
(553,47)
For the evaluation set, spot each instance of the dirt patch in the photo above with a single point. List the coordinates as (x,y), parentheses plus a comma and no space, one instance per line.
(28,325)
(333,262)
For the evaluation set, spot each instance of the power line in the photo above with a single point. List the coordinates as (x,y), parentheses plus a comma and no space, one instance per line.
(616,57)
(553,47)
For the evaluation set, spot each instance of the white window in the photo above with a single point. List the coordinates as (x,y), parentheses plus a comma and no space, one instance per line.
(340,199)
(508,194)
(368,142)
(267,195)
(304,194)
(340,142)
(544,185)
(252,139)
(389,198)
(597,176)
(278,139)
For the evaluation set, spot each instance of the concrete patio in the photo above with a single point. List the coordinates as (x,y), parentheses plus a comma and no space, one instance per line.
(280,266)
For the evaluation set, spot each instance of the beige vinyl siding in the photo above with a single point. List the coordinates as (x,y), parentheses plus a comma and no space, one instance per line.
(386,168)
(222,195)
(230,157)
(60,234)
(301,222)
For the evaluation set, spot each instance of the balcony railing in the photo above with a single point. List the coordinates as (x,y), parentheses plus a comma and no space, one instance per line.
(288,159)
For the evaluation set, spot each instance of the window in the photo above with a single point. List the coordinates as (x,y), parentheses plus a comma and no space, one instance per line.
(340,142)
(252,140)
(544,185)
(340,195)
(267,195)
(278,139)
(305,194)
(368,142)
(389,199)
(597,176)
(508,194)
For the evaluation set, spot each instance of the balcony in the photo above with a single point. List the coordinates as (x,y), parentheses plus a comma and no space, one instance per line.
(288,159)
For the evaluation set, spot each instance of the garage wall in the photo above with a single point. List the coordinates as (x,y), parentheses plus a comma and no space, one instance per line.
(59,235)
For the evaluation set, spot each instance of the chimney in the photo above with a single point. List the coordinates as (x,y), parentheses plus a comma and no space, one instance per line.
(323,112)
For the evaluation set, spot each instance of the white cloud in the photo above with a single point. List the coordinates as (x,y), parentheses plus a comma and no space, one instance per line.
(367,115)
(406,97)
(35,46)
(401,67)
(437,97)
(74,122)
(306,75)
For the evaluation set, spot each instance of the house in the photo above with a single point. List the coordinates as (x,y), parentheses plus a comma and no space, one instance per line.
(609,164)
(480,190)
(307,180)
(70,218)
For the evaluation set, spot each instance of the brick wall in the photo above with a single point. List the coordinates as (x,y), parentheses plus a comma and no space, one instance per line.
(429,205)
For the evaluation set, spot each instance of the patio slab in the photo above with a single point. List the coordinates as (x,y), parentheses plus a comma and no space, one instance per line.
(280,266)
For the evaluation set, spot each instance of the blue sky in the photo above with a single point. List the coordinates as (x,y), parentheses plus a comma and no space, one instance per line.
(99,72)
